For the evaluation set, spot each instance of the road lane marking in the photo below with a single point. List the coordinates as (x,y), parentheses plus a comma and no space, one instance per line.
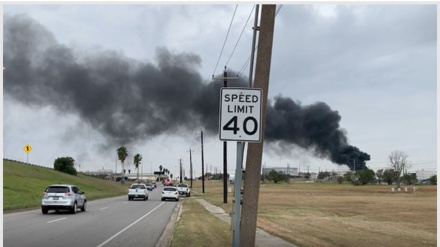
(103,208)
(52,221)
(132,224)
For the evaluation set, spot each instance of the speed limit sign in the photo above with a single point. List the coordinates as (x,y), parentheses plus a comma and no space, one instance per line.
(240,114)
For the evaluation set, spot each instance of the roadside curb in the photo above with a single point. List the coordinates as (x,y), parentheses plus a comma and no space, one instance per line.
(167,234)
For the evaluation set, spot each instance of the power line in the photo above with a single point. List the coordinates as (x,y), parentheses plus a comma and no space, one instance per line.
(227,34)
(279,9)
(244,27)
(248,60)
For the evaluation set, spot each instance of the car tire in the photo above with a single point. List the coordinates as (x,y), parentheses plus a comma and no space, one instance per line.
(73,208)
(163,199)
(177,199)
(44,210)
(188,195)
(83,208)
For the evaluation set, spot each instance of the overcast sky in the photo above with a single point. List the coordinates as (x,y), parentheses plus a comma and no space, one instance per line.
(82,80)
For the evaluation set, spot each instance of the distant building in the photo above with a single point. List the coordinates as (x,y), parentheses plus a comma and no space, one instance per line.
(292,171)
(424,174)
(99,172)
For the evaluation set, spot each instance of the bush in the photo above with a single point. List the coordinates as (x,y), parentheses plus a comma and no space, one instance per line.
(433,180)
(277,176)
(65,164)
(340,179)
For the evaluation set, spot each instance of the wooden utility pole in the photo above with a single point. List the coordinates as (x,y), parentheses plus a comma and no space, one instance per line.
(180,170)
(251,191)
(203,165)
(191,167)
(225,144)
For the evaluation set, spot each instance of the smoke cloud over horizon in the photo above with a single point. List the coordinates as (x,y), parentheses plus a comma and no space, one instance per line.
(133,100)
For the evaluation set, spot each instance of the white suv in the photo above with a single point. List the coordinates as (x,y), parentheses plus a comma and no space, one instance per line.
(63,197)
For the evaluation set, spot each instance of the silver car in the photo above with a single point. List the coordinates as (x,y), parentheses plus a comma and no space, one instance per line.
(170,193)
(63,197)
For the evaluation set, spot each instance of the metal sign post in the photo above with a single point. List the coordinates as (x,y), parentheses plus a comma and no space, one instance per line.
(237,195)
(240,118)
(27,148)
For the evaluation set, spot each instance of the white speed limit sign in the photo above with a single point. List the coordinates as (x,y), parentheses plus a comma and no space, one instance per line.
(240,114)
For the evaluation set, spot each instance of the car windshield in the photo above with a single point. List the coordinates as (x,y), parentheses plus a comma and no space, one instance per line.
(169,189)
(182,185)
(57,189)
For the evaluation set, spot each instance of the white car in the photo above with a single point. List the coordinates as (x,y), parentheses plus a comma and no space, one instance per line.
(63,197)
(169,192)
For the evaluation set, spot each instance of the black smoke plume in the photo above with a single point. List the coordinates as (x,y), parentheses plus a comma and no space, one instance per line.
(132,100)
(315,128)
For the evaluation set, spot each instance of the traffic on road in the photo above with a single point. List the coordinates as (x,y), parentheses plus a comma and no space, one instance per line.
(107,222)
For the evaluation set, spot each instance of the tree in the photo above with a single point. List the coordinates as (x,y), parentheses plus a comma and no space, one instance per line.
(379,175)
(122,155)
(340,179)
(348,176)
(323,175)
(160,175)
(137,161)
(399,163)
(276,176)
(389,176)
(365,176)
(433,180)
(65,164)
(166,172)
(409,178)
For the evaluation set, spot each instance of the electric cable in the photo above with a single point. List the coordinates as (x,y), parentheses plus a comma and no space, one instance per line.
(226,38)
(242,31)
(248,60)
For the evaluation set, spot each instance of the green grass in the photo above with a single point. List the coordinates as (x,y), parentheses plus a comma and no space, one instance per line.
(23,185)
(197,227)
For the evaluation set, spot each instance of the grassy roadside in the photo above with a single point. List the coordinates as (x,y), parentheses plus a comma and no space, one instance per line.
(198,227)
(320,214)
(313,214)
(23,185)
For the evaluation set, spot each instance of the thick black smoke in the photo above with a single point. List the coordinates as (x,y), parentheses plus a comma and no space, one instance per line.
(315,128)
(132,100)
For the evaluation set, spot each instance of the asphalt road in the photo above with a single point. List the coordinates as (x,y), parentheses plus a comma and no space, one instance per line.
(108,222)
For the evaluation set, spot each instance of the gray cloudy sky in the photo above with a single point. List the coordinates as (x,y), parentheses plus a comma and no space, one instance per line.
(81,80)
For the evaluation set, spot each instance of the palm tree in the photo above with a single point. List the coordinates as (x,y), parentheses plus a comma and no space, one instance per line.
(122,155)
(160,175)
(165,171)
(137,161)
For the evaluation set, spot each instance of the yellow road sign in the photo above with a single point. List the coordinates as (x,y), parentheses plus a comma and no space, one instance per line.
(27,148)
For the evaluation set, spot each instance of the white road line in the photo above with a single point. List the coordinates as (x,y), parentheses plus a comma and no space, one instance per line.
(132,224)
(125,202)
(52,221)
(103,208)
